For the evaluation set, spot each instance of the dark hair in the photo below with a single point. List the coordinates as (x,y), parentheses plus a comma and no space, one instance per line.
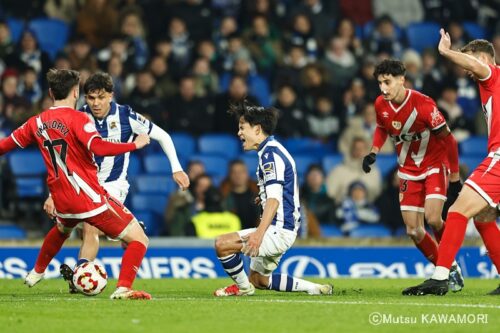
(267,118)
(61,81)
(97,82)
(479,45)
(236,162)
(389,67)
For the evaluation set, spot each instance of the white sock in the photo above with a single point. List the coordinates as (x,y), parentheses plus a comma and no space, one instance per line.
(441,273)
(233,265)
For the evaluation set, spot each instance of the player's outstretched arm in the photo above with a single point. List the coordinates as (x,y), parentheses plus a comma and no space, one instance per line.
(104,148)
(466,61)
(7,144)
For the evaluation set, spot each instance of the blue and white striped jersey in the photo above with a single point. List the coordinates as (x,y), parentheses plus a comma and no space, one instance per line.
(119,125)
(277,178)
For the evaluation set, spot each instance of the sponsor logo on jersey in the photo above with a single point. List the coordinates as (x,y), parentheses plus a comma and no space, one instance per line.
(436,117)
(396,125)
(385,114)
(269,171)
(112,125)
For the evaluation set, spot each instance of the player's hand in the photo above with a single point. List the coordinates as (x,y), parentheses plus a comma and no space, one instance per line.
(454,189)
(141,141)
(369,160)
(445,42)
(257,200)
(49,207)
(181,179)
(251,244)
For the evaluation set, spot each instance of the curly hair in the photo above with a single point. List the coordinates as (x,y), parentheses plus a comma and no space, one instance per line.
(267,118)
(392,67)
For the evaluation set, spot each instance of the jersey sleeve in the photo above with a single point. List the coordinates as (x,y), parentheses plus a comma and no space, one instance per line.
(273,168)
(378,111)
(139,123)
(23,136)
(431,114)
(84,129)
(489,81)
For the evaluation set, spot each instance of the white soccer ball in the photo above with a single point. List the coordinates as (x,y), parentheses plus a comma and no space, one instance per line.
(90,278)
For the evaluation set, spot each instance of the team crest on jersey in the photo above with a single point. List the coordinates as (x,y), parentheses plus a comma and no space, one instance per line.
(269,171)
(112,125)
(396,125)
(436,117)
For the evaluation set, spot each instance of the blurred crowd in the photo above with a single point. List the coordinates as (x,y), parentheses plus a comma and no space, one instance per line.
(180,62)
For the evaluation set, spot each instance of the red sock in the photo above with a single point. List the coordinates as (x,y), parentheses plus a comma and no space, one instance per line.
(453,237)
(438,234)
(491,237)
(52,243)
(131,262)
(429,248)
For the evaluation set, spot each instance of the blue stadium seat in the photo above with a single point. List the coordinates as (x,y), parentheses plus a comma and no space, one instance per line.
(251,160)
(474,30)
(149,202)
(474,145)
(184,143)
(302,163)
(306,145)
(157,164)
(400,232)
(370,231)
(52,34)
(386,163)
(423,35)
(215,165)
(27,163)
(148,184)
(134,165)
(32,187)
(11,231)
(16,27)
(471,161)
(331,161)
(330,231)
(151,222)
(222,144)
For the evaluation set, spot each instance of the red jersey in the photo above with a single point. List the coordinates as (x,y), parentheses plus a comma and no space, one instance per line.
(409,125)
(63,136)
(489,90)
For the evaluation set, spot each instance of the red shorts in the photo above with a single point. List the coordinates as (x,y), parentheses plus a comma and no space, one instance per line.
(485,180)
(413,193)
(112,221)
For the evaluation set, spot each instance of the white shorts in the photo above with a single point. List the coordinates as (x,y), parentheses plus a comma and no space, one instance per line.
(275,243)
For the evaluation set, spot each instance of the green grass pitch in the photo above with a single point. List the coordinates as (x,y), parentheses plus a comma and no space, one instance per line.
(188,306)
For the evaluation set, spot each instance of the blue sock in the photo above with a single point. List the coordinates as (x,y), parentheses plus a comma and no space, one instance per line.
(233,265)
(81,261)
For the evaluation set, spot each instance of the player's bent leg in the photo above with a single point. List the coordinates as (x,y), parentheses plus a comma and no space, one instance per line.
(90,243)
(432,212)
(287,283)
(414,222)
(485,223)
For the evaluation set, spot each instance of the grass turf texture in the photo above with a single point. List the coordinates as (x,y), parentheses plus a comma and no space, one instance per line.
(188,306)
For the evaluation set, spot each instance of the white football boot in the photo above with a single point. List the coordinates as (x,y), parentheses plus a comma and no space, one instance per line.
(127,293)
(234,290)
(322,289)
(33,278)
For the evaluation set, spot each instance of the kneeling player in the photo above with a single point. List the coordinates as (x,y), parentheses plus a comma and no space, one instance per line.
(279,197)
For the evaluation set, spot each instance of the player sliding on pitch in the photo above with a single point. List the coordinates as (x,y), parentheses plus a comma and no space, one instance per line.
(280,220)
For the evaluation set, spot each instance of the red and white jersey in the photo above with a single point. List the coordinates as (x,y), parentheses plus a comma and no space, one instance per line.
(409,125)
(63,136)
(489,90)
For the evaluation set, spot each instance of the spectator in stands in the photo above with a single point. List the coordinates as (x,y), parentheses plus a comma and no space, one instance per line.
(97,21)
(266,8)
(117,47)
(403,12)
(28,86)
(452,111)
(197,15)
(360,11)
(321,14)
(65,10)
(340,177)
(7,46)
(356,210)
(238,90)
(388,202)
(384,39)
(206,49)
(324,123)
(340,62)
(315,84)
(144,100)
(458,35)
(115,69)
(80,55)
(165,86)
(289,73)
(239,193)
(228,26)
(182,45)
(235,50)
(354,100)
(468,97)
(432,75)
(369,82)
(292,120)
(206,79)
(132,27)
(301,34)
(362,126)
(11,100)
(189,113)
(314,197)
(346,30)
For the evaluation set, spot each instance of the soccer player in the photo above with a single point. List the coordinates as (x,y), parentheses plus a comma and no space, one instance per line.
(425,147)
(67,139)
(280,220)
(115,123)
(480,198)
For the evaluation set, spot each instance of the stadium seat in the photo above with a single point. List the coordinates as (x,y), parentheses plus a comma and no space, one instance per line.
(148,184)
(215,165)
(386,163)
(222,144)
(52,34)
(474,145)
(251,160)
(305,145)
(471,161)
(423,35)
(330,231)
(27,163)
(370,231)
(149,202)
(11,231)
(134,165)
(32,187)
(474,30)
(151,222)
(185,144)
(302,163)
(16,27)
(331,161)
(157,164)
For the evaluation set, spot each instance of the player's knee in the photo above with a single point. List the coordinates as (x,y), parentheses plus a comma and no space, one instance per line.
(434,219)
(412,231)
(258,281)
(220,243)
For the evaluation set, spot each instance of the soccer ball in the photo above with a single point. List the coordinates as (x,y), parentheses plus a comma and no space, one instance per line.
(90,278)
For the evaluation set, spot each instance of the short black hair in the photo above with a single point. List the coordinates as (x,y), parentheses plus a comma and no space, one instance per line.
(61,81)
(392,67)
(97,82)
(267,118)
